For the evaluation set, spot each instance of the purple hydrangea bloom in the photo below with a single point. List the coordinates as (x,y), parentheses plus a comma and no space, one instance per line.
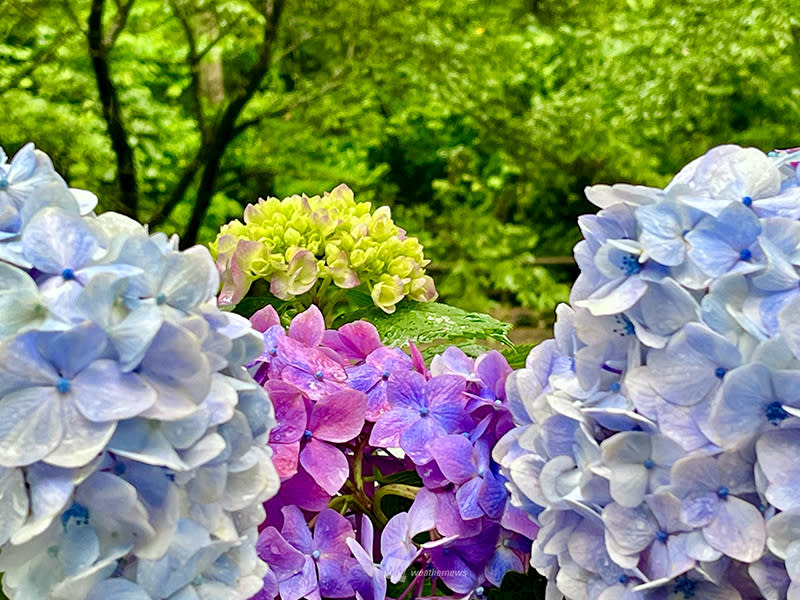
(372,377)
(326,556)
(420,412)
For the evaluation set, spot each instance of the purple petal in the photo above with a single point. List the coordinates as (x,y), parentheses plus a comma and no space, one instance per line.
(454,455)
(467,498)
(283,558)
(455,572)
(445,391)
(493,369)
(338,417)
(406,391)
(300,585)
(333,578)
(330,533)
(390,426)
(304,491)
(421,514)
(295,529)
(414,440)
(503,561)
(492,496)
(448,518)
(326,464)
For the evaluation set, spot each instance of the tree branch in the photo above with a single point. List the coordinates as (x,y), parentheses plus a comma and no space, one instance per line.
(112,113)
(334,82)
(223,32)
(224,129)
(194,71)
(123,10)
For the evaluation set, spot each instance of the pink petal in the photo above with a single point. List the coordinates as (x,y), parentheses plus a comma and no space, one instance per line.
(326,464)
(308,327)
(338,417)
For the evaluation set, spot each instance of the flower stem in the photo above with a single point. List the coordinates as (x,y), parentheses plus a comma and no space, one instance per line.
(393,489)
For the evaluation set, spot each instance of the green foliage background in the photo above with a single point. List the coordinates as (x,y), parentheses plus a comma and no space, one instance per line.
(479,122)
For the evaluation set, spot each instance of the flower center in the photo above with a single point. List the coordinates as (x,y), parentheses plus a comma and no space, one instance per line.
(747,201)
(319,375)
(745,254)
(630,265)
(423,412)
(720,372)
(685,585)
(623,579)
(78,512)
(649,464)
(273,351)
(662,536)
(307,434)
(625,326)
(723,492)
(775,412)
(161,299)
(3,183)
(385,375)
(315,554)
(62,385)
(68,274)
(614,387)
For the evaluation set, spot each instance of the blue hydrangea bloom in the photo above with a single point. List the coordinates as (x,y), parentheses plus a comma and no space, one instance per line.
(133,457)
(657,436)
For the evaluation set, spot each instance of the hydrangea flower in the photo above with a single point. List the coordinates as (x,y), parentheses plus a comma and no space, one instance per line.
(299,241)
(132,447)
(656,436)
(442,425)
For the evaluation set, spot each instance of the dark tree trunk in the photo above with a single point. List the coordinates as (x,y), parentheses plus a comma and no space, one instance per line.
(225,129)
(112,113)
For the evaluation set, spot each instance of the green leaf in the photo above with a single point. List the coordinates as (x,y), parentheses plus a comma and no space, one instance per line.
(249,305)
(516,356)
(425,323)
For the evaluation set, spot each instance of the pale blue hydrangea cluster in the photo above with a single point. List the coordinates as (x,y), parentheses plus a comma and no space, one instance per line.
(133,457)
(658,434)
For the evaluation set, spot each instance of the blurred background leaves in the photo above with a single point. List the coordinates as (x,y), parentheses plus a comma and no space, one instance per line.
(478,122)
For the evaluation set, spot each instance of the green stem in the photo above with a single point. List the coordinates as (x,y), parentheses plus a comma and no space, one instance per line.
(393,489)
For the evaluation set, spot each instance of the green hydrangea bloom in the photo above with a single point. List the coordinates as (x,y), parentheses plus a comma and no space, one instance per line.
(298,242)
